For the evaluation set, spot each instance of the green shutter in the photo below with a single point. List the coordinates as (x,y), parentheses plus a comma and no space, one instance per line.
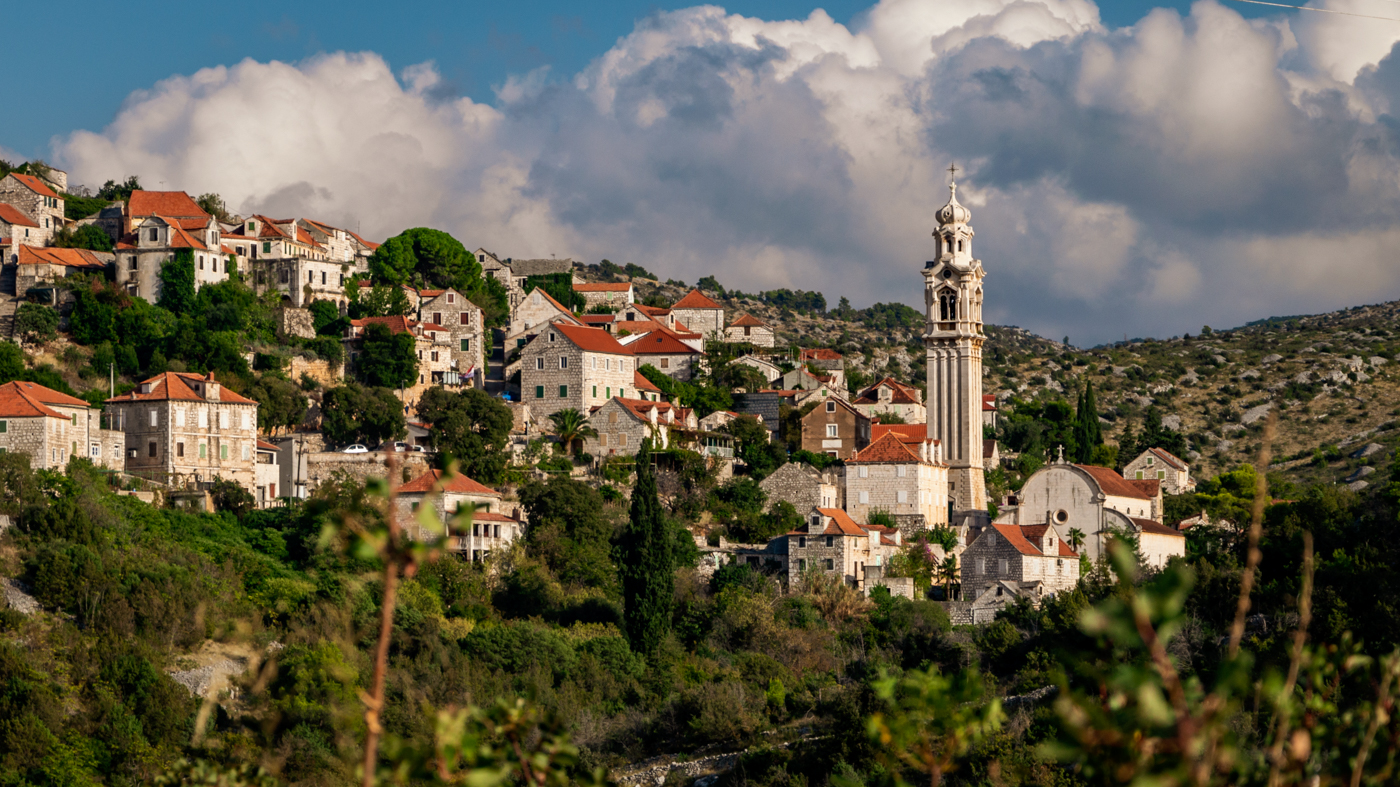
(563,391)
(203,451)
(539,392)
(466,345)
(223,452)
(4,427)
(595,392)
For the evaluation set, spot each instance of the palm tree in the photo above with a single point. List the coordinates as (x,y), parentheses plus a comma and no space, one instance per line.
(948,571)
(571,426)
(1076,539)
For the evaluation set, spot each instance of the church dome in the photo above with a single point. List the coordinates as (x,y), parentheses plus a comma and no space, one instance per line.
(953,212)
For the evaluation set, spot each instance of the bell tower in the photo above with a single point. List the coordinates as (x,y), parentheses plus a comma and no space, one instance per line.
(953,340)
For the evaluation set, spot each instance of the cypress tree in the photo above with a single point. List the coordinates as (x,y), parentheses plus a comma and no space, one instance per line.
(1088,433)
(646,562)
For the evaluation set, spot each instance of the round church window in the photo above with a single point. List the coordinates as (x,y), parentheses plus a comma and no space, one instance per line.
(947,273)
(1062,516)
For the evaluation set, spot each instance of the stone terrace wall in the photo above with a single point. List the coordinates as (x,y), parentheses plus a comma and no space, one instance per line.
(295,322)
(324,372)
(322,467)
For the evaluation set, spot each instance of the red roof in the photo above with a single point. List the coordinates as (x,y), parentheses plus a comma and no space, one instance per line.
(168,386)
(888,448)
(1172,461)
(263,445)
(989,403)
(25,400)
(909,433)
(748,319)
(591,339)
(371,245)
(1014,537)
(1156,528)
(820,354)
(640,381)
(603,287)
(164,203)
(35,185)
(695,299)
(661,342)
(12,215)
(396,323)
(1113,484)
(903,394)
(430,293)
(651,311)
(179,238)
(841,523)
(72,258)
(457,484)
(637,326)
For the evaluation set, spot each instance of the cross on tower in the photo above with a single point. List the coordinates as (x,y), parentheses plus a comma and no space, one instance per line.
(953,171)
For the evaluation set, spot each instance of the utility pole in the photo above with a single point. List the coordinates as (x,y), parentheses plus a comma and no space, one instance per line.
(112,380)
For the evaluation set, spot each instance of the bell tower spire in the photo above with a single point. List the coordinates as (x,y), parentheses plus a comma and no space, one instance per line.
(953,339)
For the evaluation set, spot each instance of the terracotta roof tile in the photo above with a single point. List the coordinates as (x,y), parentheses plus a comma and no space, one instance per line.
(989,403)
(1172,461)
(909,433)
(396,323)
(1014,537)
(695,299)
(163,203)
(72,258)
(820,354)
(1113,484)
(651,311)
(591,339)
(841,522)
(747,319)
(178,386)
(27,400)
(35,185)
(263,445)
(888,448)
(12,215)
(603,287)
(1156,528)
(661,342)
(457,484)
(641,383)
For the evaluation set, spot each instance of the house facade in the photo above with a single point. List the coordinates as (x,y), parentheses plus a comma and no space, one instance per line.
(904,479)
(1173,473)
(663,350)
(889,396)
(536,310)
(804,486)
(835,428)
(749,329)
(268,475)
(569,366)
(464,325)
(37,202)
(155,240)
(17,228)
(42,267)
(700,314)
(831,542)
(622,425)
(1018,560)
(53,427)
(182,428)
(609,294)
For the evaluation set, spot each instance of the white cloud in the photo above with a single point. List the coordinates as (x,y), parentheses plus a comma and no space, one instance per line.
(1143,180)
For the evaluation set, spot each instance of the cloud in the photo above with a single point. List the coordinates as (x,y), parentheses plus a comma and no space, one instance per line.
(1186,170)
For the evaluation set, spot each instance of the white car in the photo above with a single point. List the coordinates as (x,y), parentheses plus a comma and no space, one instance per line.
(355,449)
(397,447)
(418,449)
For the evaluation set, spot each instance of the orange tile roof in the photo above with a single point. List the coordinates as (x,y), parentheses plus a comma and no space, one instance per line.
(749,320)
(591,339)
(35,185)
(695,299)
(841,523)
(371,245)
(661,342)
(457,484)
(909,433)
(820,354)
(24,400)
(164,203)
(180,239)
(1113,484)
(641,383)
(989,403)
(651,311)
(1156,528)
(637,326)
(1172,461)
(263,445)
(602,287)
(430,293)
(168,386)
(72,258)
(888,448)
(1014,537)
(903,394)
(491,516)
(396,323)
(12,215)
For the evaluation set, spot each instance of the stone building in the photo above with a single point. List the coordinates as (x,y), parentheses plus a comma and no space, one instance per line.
(185,429)
(749,329)
(1158,543)
(770,371)
(37,201)
(155,240)
(465,327)
(895,398)
(905,479)
(953,340)
(535,311)
(700,314)
(622,425)
(1086,503)
(663,350)
(175,206)
(804,486)
(36,267)
(433,345)
(17,228)
(569,366)
(835,428)
(286,258)
(822,358)
(609,294)
(1173,473)
(1018,560)
(831,542)
(830,383)
(989,410)
(53,427)
(268,474)
(491,265)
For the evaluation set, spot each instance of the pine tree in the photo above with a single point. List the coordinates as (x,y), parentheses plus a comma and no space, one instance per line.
(1088,434)
(646,562)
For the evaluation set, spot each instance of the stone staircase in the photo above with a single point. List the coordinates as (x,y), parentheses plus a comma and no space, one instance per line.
(495,365)
(8,306)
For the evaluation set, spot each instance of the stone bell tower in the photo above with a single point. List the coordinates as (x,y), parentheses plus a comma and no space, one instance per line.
(953,339)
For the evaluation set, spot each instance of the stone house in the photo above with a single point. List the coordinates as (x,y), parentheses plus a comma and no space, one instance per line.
(612,295)
(268,475)
(663,350)
(804,486)
(491,265)
(286,258)
(700,314)
(1018,560)
(433,345)
(989,410)
(53,427)
(187,429)
(802,379)
(569,366)
(37,201)
(831,542)
(534,312)
(622,425)
(835,428)
(465,327)
(42,267)
(770,371)
(17,228)
(340,245)
(822,358)
(646,390)
(521,270)
(908,480)
(1095,501)
(751,330)
(491,528)
(721,418)
(893,397)
(1173,473)
(176,206)
(155,240)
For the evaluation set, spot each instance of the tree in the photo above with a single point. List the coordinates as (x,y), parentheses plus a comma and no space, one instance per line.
(281,404)
(35,322)
(646,562)
(472,426)
(230,496)
(1088,434)
(177,283)
(560,287)
(387,359)
(376,301)
(1076,538)
(88,236)
(569,532)
(326,319)
(571,426)
(353,413)
(423,257)
(214,205)
(754,448)
(1155,435)
(113,191)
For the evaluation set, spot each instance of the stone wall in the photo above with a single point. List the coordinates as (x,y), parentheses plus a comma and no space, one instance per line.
(959,612)
(323,467)
(678,367)
(802,486)
(48,217)
(329,375)
(705,322)
(295,322)
(585,387)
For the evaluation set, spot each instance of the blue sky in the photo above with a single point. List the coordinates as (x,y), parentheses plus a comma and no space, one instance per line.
(100,57)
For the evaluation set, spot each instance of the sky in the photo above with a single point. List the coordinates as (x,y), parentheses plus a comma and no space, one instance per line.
(1133,169)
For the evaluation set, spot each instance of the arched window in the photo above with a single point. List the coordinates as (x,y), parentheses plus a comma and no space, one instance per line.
(959,244)
(948,305)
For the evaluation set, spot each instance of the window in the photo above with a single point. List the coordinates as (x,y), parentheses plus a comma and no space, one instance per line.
(283,277)
(981,565)
(830,565)
(223,451)
(267,249)
(831,541)
(603,439)
(179,417)
(865,497)
(180,449)
(539,363)
(323,277)
(437,318)
(434,355)
(864,471)
(75,420)
(551,336)
(155,419)
(203,419)
(595,392)
(622,439)
(563,392)
(831,430)
(899,471)
(151,447)
(247,422)
(466,345)
(563,362)
(1139,475)
(155,234)
(801,564)
(466,317)
(607,393)
(801,542)
(201,262)
(607,364)
(452,298)
(4,427)
(223,419)
(901,496)
(539,392)
(245,452)
(665,363)
(831,407)
(1160,473)
(203,451)
(1001,566)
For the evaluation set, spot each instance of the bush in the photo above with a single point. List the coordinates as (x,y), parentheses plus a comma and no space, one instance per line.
(36,322)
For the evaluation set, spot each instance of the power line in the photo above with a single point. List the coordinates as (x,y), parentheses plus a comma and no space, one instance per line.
(1319,10)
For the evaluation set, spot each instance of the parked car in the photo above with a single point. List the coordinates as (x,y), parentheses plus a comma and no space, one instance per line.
(418,449)
(398,447)
(355,449)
